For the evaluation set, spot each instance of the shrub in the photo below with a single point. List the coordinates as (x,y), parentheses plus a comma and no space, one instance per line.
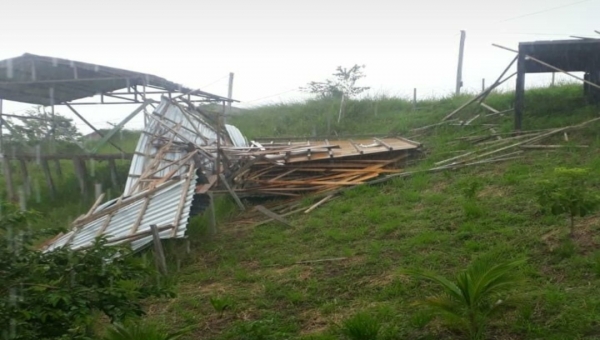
(568,192)
(53,295)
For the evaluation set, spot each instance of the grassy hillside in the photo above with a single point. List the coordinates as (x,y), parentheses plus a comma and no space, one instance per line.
(424,221)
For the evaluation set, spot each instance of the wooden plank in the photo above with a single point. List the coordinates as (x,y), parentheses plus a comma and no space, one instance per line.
(140,216)
(184,194)
(274,216)
(381,142)
(552,146)
(489,108)
(48,176)
(95,205)
(232,193)
(159,254)
(316,205)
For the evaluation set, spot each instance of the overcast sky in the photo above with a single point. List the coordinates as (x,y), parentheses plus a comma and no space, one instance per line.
(274,47)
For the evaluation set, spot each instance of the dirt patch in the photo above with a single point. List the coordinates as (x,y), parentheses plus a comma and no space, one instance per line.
(313,322)
(584,236)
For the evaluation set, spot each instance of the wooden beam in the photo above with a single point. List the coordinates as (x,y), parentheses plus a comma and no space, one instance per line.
(232,193)
(48,176)
(273,215)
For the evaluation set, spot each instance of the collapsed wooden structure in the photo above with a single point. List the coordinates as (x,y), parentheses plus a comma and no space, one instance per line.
(297,168)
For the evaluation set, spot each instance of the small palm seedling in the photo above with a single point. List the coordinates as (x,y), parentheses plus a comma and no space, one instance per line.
(478,294)
(141,331)
(220,304)
(361,326)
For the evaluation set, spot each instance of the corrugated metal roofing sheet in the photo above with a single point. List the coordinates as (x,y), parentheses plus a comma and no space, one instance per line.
(161,182)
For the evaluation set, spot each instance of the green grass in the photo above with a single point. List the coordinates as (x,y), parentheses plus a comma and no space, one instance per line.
(436,221)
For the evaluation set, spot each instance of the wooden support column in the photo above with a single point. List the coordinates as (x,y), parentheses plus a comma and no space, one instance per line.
(58,169)
(520,92)
(213,216)
(10,190)
(80,172)
(113,172)
(159,253)
(25,176)
(48,175)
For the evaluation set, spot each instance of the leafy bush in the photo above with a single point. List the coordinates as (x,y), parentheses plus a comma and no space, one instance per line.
(361,326)
(478,294)
(568,192)
(58,294)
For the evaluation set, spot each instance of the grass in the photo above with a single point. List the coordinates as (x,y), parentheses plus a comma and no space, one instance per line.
(434,221)
(437,221)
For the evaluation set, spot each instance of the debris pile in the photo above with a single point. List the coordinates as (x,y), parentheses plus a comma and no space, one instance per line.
(296,168)
(184,152)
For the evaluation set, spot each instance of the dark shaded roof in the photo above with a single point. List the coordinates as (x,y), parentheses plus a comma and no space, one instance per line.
(581,55)
(31,79)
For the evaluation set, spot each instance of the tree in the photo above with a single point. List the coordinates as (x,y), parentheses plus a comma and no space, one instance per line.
(41,127)
(58,294)
(478,293)
(568,192)
(343,86)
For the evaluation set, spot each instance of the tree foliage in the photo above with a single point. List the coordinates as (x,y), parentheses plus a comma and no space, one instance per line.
(40,128)
(59,294)
(476,295)
(568,192)
(342,86)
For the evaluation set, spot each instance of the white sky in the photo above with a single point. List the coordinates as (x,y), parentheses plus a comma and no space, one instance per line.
(274,47)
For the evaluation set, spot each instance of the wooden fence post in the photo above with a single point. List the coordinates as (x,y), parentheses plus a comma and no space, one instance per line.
(159,254)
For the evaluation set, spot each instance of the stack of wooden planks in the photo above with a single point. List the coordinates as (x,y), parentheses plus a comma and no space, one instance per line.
(293,169)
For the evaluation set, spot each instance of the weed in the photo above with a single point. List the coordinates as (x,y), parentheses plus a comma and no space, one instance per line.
(221,304)
(361,326)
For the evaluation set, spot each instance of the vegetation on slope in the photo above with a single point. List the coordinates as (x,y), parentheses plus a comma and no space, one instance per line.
(427,221)
(245,282)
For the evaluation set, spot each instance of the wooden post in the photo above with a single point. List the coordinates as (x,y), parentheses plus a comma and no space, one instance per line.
(415,98)
(113,172)
(58,169)
(229,95)
(79,167)
(10,190)
(48,175)
(213,215)
(482,84)
(520,92)
(25,176)
(553,77)
(159,254)
(461,49)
